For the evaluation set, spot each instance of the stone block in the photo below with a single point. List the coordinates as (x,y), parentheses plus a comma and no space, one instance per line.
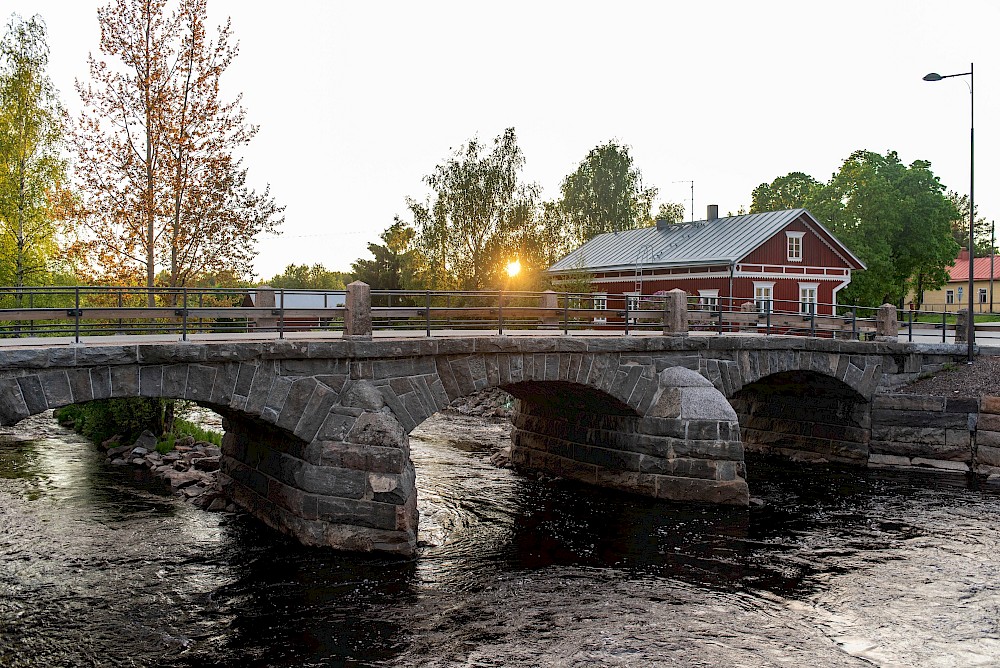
(200,380)
(962,405)
(393,488)
(79,384)
(909,402)
(988,438)
(989,404)
(945,465)
(918,419)
(379,429)
(938,451)
(225,383)
(295,401)
(356,513)
(370,458)
(260,388)
(989,455)
(702,430)
(335,426)
(888,460)
(332,481)
(32,394)
(244,379)
(55,384)
(673,488)
(315,412)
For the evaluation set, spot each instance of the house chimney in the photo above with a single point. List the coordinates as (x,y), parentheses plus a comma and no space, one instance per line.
(713,212)
(963,254)
(662,224)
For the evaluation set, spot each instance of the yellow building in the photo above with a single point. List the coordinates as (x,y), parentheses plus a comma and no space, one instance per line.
(954,295)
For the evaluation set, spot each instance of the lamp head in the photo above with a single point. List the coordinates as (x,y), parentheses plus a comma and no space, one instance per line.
(933,76)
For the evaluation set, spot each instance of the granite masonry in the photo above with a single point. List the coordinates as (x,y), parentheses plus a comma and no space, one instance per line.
(316,440)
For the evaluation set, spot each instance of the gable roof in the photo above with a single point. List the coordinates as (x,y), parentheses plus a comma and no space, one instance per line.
(982,268)
(720,241)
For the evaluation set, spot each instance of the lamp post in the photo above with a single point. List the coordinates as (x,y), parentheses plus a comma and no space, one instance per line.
(934,76)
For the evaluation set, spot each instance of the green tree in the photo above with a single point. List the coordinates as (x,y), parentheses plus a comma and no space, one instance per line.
(605,194)
(33,195)
(983,234)
(792,191)
(896,218)
(478,216)
(670,211)
(397,260)
(306,277)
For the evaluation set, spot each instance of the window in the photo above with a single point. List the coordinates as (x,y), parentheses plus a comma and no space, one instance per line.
(949,296)
(600,304)
(807,297)
(763,294)
(960,300)
(708,300)
(982,295)
(795,246)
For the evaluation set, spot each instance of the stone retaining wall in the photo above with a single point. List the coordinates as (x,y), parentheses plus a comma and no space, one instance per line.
(935,432)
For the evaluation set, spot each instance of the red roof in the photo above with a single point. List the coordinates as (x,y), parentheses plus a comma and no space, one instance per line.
(980,271)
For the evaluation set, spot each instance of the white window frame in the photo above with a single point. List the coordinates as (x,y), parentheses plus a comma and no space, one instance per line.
(632,305)
(949,296)
(763,295)
(793,246)
(982,295)
(806,299)
(708,300)
(600,304)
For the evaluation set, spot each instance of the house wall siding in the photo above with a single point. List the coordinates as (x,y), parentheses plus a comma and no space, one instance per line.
(815,253)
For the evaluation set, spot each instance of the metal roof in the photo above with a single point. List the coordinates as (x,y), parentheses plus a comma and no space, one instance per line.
(719,241)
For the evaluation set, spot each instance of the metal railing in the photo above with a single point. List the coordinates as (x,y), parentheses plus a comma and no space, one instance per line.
(88,311)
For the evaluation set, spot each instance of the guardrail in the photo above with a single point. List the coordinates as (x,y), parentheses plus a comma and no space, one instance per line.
(85,311)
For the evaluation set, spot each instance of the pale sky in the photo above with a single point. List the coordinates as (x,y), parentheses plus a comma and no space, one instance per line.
(357,101)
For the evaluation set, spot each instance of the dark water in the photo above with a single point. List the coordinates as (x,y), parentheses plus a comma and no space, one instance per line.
(837,568)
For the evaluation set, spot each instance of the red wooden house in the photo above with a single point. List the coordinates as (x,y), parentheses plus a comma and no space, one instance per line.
(782,260)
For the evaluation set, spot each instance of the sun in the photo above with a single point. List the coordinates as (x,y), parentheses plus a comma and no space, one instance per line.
(513,268)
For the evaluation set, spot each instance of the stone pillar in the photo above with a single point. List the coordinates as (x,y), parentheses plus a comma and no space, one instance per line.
(886,323)
(264,298)
(748,308)
(675,313)
(962,326)
(358,311)
(550,300)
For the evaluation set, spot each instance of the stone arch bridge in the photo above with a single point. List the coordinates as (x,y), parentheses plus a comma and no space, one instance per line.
(316,440)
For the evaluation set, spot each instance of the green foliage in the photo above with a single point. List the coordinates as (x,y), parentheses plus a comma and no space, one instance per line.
(481,215)
(166,444)
(983,229)
(397,262)
(672,212)
(305,277)
(895,217)
(792,191)
(183,427)
(605,194)
(100,420)
(33,194)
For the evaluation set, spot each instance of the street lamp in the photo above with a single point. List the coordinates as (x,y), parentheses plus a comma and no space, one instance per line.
(934,76)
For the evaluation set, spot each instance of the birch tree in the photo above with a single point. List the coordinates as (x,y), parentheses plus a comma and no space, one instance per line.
(161,184)
(32,171)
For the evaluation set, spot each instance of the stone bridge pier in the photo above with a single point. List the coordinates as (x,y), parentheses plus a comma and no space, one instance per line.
(340,474)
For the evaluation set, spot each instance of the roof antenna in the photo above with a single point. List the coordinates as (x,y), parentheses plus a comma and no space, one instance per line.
(692,197)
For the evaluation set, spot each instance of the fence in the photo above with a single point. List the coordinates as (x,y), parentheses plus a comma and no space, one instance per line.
(87,311)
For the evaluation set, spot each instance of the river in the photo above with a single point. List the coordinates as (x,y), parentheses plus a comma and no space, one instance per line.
(832,567)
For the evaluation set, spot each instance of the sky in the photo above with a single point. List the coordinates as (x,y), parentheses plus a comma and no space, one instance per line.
(358,101)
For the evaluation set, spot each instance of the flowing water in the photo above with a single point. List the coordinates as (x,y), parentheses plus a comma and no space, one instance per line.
(834,567)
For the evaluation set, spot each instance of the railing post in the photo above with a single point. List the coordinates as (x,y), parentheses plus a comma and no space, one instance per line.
(76,314)
(944,326)
(281,314)
(500,314)
(358,311)
(626,314)
(675,313)
(550,302)
(566,314)
(184,314)
(767,311)
(886,323)
(910,327)
(962,325)
(812,319)
(854,323)
(427,312)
